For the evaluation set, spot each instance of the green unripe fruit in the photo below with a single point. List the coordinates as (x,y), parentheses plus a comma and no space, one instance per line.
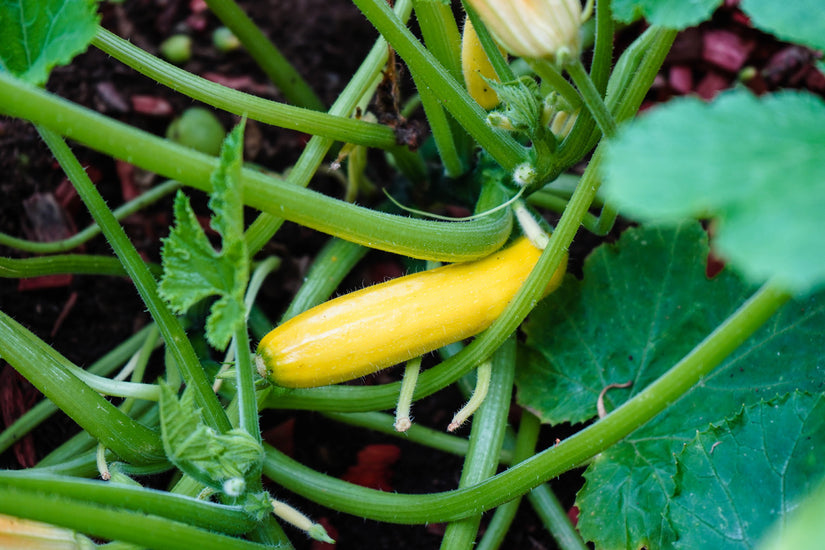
(199,129)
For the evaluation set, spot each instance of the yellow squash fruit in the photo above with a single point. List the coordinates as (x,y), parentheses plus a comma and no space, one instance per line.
(376,327)
(476,67)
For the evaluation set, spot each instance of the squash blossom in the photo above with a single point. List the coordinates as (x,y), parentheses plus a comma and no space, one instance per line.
(533,28)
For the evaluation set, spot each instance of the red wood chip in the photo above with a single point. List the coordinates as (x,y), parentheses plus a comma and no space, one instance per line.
(151,105)
(726,50)
(712,84)
(373,468)
(680,78)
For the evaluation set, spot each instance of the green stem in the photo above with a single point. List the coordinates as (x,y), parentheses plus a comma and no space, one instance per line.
(440,33)
(79,264)
(525,447)
(169,326)
(441,130)
(555,518)
(266,55)
(247,403)
(435,439)
(554,461)
(503,148)
(439,241)
(193,511)
(592,98)
(149,197)
(51,373)
(603,49)
(486,438)
(112,523)
(551,76)
(103,366)
(340,128)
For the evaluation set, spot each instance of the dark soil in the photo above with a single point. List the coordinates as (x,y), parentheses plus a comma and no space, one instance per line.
(83,317)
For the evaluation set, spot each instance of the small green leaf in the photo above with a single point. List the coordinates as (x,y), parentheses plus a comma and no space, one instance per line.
(193,269)
(201,452)
(800,21)
(643,304)
(37,36)
(733,480)
(673,14)
(755,164)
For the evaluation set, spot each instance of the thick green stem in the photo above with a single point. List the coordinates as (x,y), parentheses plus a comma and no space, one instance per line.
(79,264)
(266,55)
(603,49)
(51,373)
(592,98)
(568,454)
(103,366)
(439,241)
(503,148)
(112,523)
(486,438)
(340,128)
(196,512)
(247,403)
(146,285)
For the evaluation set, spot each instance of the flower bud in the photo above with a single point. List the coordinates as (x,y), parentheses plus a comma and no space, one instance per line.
(533,28)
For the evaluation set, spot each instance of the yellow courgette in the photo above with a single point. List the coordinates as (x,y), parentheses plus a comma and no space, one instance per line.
(476,67)
(384,324)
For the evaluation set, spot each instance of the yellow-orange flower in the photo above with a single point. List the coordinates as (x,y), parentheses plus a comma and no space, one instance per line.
(533,28)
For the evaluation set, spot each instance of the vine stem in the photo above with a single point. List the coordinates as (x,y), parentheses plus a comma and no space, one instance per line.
(552,462)
(263,110)
(592,98)
(170,327)
(439,241)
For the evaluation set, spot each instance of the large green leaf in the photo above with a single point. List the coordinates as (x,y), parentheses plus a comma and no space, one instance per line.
(38,35)
(800,21)
(718,502)
(754,164)
(673,14)
(645,302)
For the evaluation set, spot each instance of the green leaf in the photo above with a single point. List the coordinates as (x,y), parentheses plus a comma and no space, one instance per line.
(37,36)
(193,269)
(673,14)
(217,460)
(779,443)
(755,164)
(803,529)
(799,21)
(642,305)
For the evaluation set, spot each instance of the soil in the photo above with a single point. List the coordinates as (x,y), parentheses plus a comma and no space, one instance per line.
(83,316)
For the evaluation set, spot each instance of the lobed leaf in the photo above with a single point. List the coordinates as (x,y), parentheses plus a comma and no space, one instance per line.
(799,21)
(777,442)
(199,451)
(37,36)
(672,14)
(753,164)
(642,305)
(192,269)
